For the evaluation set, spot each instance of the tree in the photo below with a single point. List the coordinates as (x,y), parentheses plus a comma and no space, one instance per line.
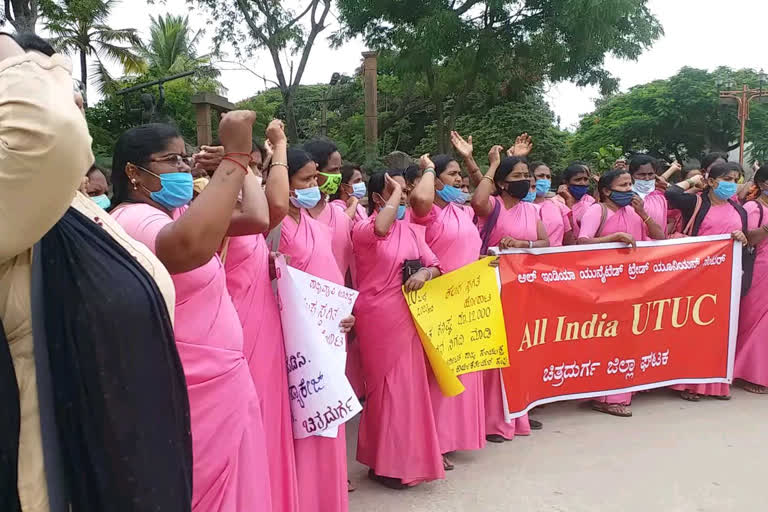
(22,14)
(677,118)
(514,44)
(80,27)
(269,24)
(172,47)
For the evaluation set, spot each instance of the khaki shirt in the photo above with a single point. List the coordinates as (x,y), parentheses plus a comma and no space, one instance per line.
(44,152)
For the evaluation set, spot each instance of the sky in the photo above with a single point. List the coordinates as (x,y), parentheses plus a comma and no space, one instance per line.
(698,33)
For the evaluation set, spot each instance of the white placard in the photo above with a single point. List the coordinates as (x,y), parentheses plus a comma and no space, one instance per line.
(310,309)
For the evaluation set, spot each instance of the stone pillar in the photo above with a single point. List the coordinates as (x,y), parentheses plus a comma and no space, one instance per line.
(204,128)
(371,109)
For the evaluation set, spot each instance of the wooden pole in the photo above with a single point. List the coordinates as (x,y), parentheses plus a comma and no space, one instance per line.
(371,111)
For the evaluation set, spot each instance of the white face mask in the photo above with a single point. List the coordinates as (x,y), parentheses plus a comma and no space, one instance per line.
(644,187)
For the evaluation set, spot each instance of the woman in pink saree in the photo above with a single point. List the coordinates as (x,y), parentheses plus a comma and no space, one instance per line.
(321,462)
(622,218)
(647,185)
(152,189)
(751,348)
(575,192)
(437,203)
(517,225)
(717,215)
(397,439)
(554,214)
(248,281)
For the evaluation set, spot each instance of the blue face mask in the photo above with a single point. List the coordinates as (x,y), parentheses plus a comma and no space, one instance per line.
(175,189)
(306,197)
(726,189)
(578,191)
(401,212)
(452,195)
(102,201)
(621,198)
(542,187)
(530,196)
(359,190)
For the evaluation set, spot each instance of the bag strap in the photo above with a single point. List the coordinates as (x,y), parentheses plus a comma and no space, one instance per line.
(760,221)
(603,217)
(485,232)
(689,228)
(742,213)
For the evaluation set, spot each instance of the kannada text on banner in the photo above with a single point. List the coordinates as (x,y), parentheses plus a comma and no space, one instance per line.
(311,308)
(600,320)
(461,323)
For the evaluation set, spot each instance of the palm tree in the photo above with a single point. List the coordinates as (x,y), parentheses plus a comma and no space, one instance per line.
(80,27)
(172,46)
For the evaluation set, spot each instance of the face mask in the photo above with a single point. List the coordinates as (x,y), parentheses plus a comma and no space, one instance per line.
(306,197)
(621,198)
(332,182)
(542,187)
(530,196)
(359,190)
(644,187)
(175,189)
(452,195)
(199,184)
(102,201)
(401,212)
(578,191)
(518,189)
(726,189)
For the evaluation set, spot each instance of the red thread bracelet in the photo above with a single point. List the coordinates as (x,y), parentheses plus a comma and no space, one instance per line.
(243,167)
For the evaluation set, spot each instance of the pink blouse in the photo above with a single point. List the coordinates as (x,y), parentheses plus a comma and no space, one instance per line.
(623,220)
(451,234)
(360,212)
(518,222)
(555,217)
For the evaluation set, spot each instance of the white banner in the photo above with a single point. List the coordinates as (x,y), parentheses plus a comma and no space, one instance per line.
(315,351)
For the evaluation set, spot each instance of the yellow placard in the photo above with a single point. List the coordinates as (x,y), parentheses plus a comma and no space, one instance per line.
(461,324)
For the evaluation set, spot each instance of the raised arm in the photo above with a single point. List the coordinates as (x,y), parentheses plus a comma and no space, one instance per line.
(481,199)
(465,148)
(45,148)
(387,215)
(423,195)
(193,239)
(277,189)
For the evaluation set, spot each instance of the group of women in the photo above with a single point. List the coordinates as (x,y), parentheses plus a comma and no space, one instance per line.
(198,234)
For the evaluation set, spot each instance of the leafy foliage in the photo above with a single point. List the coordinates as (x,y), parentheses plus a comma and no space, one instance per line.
(80,27)
(511,45)
(172,47)
(679,117)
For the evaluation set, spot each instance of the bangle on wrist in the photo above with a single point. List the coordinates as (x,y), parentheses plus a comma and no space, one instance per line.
(429,272)
(278,164)
(430,169)
(646,219)
(489,179)
(388,206)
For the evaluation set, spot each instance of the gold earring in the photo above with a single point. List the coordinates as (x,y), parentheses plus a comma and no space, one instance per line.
(133,181)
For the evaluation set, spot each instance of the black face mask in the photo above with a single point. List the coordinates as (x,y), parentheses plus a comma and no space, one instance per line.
(518,189)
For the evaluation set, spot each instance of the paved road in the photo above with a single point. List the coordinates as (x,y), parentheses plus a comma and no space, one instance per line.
(672,456)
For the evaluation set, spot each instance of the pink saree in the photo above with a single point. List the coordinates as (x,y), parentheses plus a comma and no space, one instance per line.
(460,420)
(397,436)
(247,267)
(230,465)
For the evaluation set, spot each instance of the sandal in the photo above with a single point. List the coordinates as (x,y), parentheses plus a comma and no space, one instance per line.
(620,410)
(447,464)
(495,438)
(721,397)
(391,483)
(350,487)
(755,388)
(535,424)
(690,396)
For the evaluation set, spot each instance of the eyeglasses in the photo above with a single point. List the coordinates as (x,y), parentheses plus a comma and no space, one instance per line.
(176,159)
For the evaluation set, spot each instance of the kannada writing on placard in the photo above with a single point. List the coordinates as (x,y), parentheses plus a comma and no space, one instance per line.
(559,374)
(305,389)
(319,422)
